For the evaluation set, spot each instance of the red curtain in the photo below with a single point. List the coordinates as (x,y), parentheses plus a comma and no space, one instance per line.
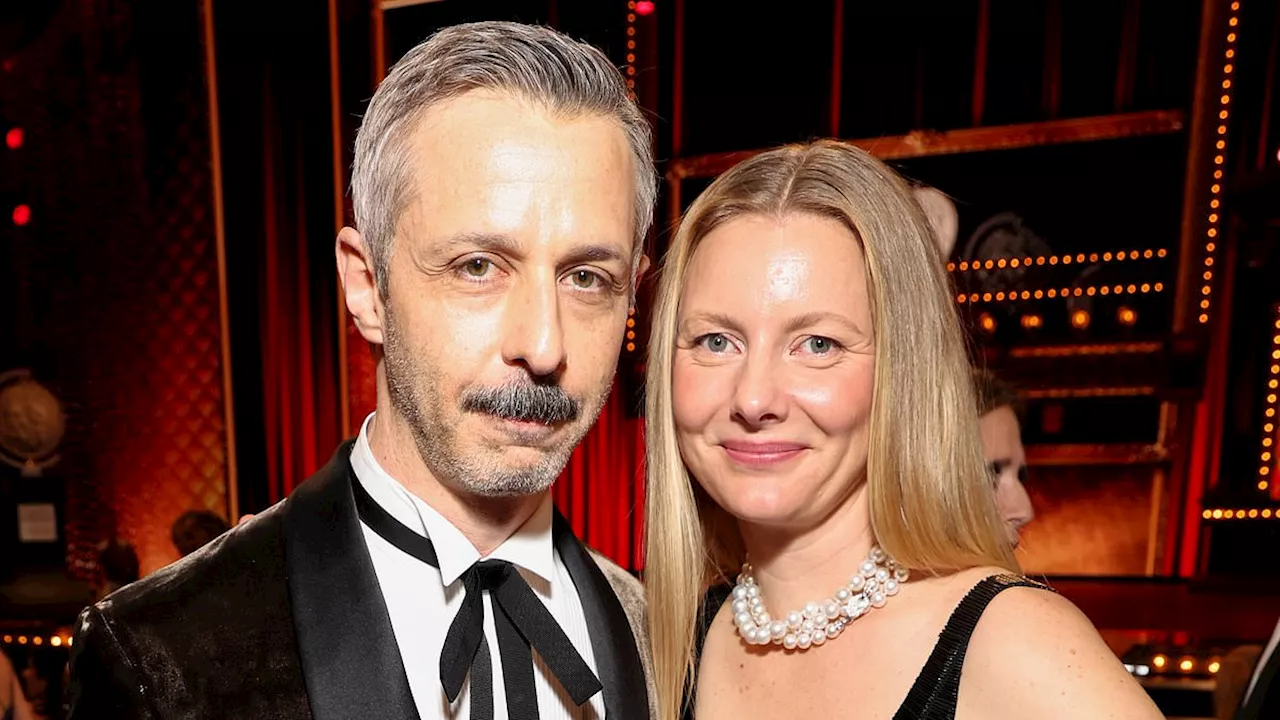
(299,394)
(601,491)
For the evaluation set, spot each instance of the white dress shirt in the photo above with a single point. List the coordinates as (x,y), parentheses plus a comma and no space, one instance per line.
(423,600)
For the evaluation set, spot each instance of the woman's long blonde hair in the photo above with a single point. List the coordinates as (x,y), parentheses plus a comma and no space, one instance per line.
(928,490)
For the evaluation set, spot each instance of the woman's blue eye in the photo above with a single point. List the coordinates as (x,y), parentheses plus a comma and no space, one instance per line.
(819,345)
(715,342)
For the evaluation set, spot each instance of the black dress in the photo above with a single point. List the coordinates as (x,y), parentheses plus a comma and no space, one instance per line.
(934,694)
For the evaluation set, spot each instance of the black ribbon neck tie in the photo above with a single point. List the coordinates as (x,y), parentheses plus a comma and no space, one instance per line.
(521,620)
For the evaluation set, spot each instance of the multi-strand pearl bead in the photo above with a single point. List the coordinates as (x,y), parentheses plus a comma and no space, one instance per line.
(878,579)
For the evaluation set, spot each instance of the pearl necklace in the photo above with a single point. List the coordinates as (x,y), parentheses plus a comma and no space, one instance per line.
(877,579)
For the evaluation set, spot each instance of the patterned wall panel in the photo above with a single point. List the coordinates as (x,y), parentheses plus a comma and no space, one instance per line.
(125,260)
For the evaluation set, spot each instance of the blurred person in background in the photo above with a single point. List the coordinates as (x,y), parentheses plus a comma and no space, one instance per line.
(13,703)
(118,566)
(193,529)
(999,411)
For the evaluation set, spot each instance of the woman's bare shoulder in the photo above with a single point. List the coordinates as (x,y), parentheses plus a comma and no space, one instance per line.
(1034,654)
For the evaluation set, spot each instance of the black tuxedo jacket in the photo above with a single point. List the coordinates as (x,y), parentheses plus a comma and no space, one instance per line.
(282,618)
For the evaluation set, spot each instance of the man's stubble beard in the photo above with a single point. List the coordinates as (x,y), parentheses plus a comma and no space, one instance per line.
(415,395)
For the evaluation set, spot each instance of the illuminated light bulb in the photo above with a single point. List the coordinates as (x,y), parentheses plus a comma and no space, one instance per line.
(1080,319)
(1127,316)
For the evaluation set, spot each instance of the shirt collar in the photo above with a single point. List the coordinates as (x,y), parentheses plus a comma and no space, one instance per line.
(530,547)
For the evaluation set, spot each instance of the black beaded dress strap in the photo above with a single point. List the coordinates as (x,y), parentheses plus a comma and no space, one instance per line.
(937,687)
(716,597)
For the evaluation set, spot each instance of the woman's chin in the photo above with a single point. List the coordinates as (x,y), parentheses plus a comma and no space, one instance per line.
(768,512)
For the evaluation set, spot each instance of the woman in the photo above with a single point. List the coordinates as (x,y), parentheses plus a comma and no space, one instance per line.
(810,409)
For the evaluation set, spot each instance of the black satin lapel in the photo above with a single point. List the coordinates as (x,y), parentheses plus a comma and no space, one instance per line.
(350,659)
(617,658)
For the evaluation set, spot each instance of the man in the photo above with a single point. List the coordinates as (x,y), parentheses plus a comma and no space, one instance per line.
(998,408)
(117,567)
(502,185)
(194,529)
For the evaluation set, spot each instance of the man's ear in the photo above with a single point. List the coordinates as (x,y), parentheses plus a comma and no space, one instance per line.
(642,267)
(359,284)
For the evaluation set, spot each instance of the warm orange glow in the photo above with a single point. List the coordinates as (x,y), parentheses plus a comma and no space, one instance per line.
(1215,188)
(1266,512)
(1231,54)
(1080,319)
(1091,291)
(1207,514)
(1001,263)
(987,323)
(22,639)
(1106,257)
(1208,275)
(1252,514)
(1212,233)
(8,639)
(1077,292)
(1000,296)
(1093,257)
(1159,287)
(1204,304)
(1162,252)
(1127,316)
(1233,22)
(1031,322)
(1217,514)
(1052,294)
(1105,291)
(631,347)
(990,264)
(1208,262)
(1039,294)
(1160,661)
(1235,6)
(986,297)
(1218,159)
(631,335)
(1053,260)
(1080,258)
(1203,318)
(55,641)
(1214,203)
(1231,37)
(1210,247)
(1226,84)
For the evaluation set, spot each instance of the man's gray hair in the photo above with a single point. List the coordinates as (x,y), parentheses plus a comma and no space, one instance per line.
(537,64)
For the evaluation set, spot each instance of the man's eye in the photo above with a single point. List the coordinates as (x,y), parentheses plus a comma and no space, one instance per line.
(477,267)
(586,280)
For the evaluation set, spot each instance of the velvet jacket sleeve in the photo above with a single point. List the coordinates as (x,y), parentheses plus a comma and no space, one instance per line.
(105,679)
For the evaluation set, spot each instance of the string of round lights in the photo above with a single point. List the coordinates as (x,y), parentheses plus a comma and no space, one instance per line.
(37,640)
(1054,293)
(1052,260)
(1241,514)
(1213,219)
(634,8)
(1270,406)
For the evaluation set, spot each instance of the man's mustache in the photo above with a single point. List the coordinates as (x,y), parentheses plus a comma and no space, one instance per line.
(546,404)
